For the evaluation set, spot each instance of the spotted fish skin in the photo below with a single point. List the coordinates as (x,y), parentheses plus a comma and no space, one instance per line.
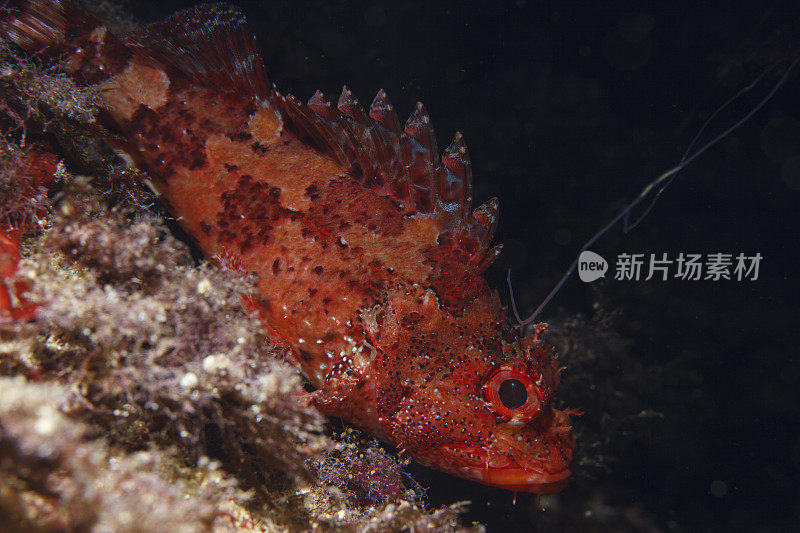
(367,253)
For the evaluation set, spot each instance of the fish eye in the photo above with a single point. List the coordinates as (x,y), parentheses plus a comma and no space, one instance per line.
(512,395)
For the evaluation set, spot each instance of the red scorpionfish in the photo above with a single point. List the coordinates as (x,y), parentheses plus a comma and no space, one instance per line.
(367,253)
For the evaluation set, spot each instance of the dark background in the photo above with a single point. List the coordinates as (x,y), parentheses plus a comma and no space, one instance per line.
(569,109)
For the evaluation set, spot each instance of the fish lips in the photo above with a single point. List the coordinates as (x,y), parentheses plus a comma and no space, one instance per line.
(517,478)
(546,477)
(509,474)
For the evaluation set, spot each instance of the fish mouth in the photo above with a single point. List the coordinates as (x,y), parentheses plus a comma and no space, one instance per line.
(506,473)
(515,477)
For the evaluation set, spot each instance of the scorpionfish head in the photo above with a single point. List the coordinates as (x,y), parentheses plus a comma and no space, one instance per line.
(467,395)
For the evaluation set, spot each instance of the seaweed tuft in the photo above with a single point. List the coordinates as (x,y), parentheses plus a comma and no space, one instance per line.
(365,472)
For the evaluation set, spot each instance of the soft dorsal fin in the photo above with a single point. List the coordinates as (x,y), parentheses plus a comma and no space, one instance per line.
(208,44)
(402,163)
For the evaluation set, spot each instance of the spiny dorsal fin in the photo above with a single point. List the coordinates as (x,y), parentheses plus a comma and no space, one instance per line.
(402,163)
(362,131)
(388,132)
(335,136)
(208,44)
(455,187)
(421,159)
(474,235)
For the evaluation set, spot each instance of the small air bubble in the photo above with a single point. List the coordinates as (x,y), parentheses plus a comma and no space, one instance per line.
(718,488)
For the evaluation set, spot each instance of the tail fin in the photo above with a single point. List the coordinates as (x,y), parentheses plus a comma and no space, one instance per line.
(34,25)
(57,29)
(208,44)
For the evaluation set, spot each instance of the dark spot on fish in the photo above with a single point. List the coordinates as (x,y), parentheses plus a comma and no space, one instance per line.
(205,227)
(318,270)
(259,148)
(276,267)
(492,345)
(249,212)
(341,204)
(306,356)
(410,320)
(356,173)
(390,397)
(199,161)
(312,191)
(231,168)
(239,136)
(508,335)
(175,136)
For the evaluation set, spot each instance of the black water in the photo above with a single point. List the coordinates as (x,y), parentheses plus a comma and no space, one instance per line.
(569,108)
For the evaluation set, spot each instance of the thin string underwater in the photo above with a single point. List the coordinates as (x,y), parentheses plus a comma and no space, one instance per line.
(662,182)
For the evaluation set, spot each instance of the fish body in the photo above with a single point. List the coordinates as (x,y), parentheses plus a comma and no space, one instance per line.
(367,254)
(39,166)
